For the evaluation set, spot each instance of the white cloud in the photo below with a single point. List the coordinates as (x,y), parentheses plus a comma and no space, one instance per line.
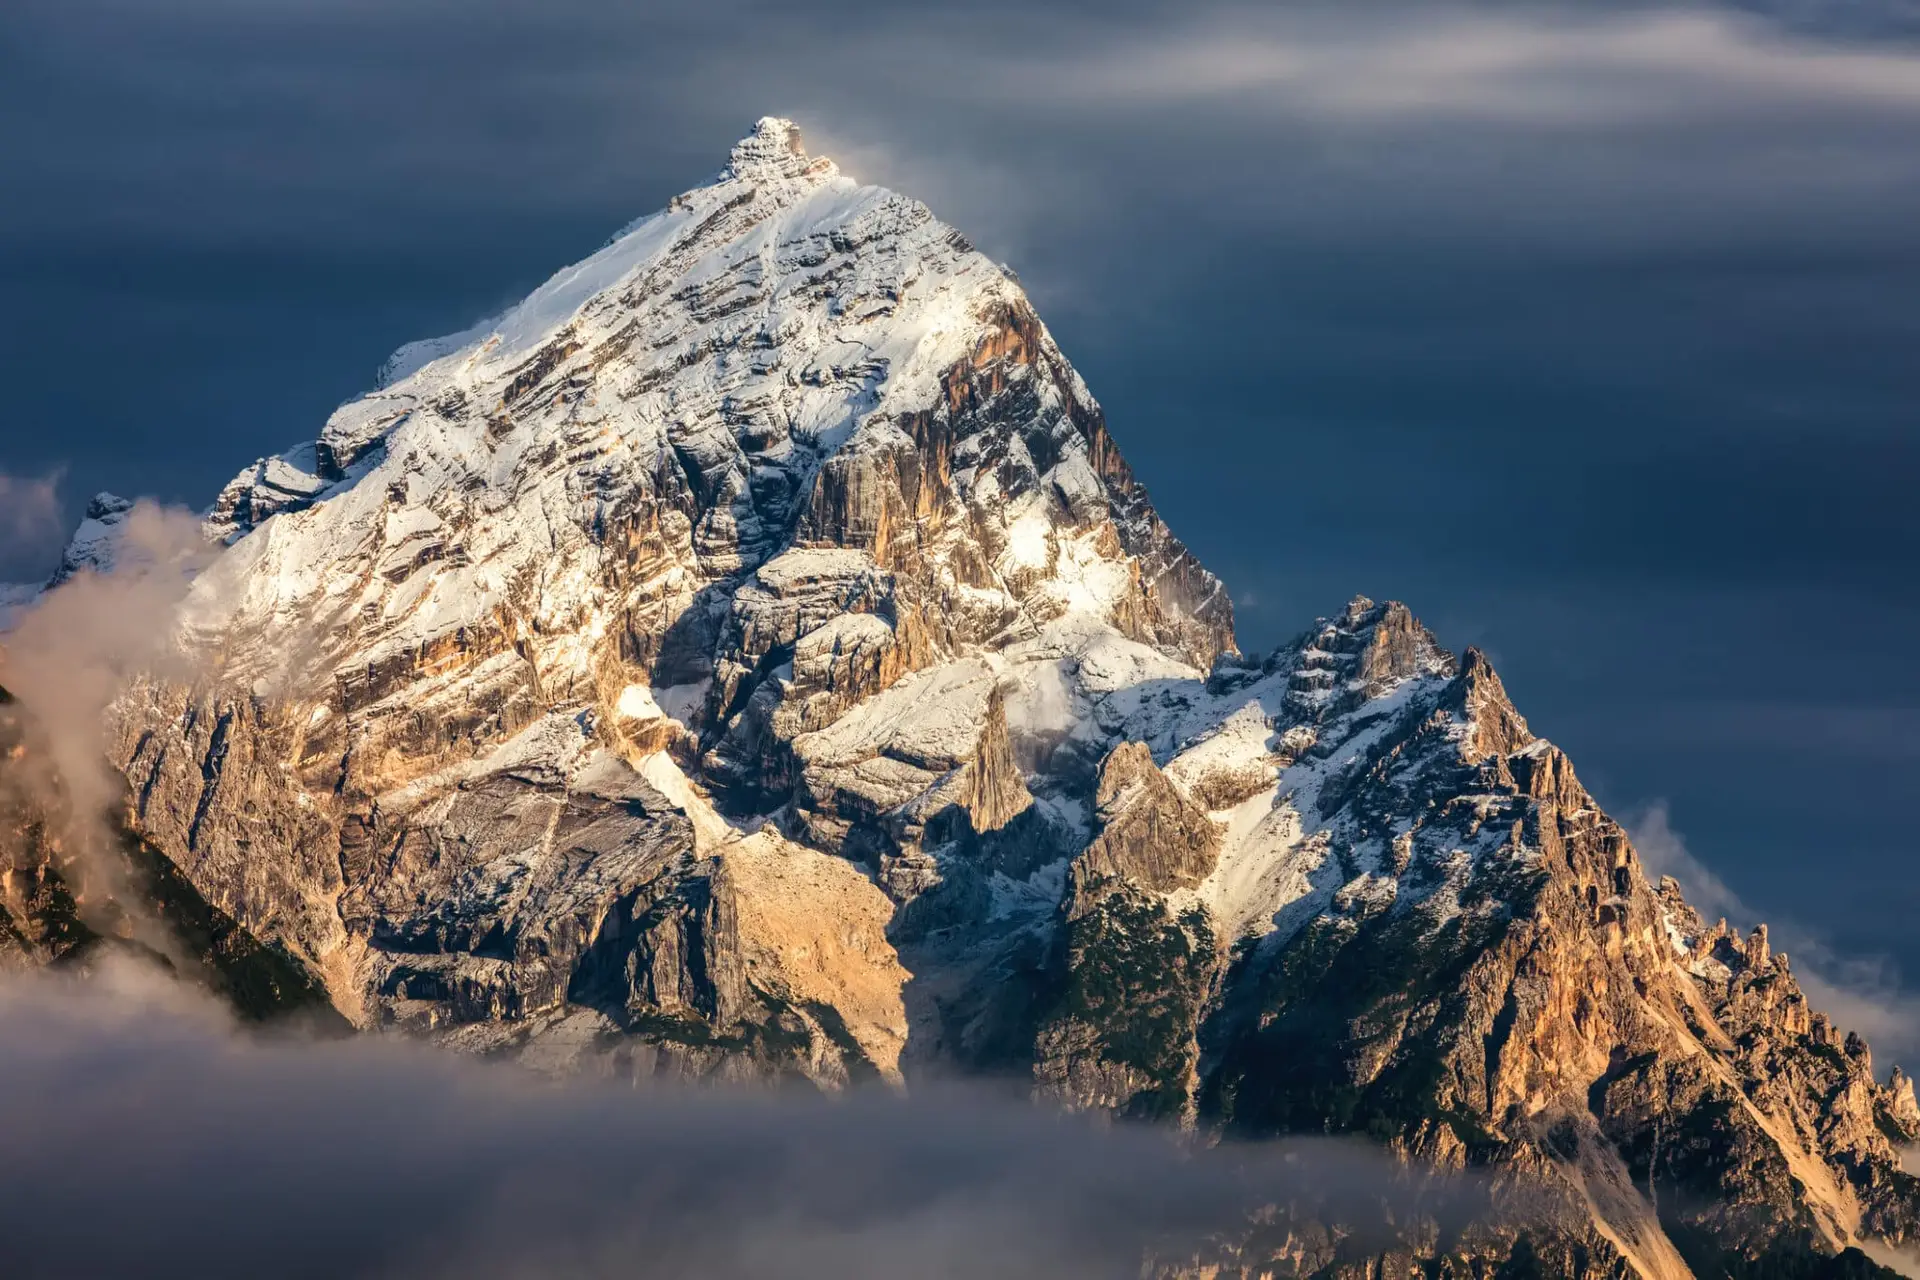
(367,1157)
(68,655)
(1529,69)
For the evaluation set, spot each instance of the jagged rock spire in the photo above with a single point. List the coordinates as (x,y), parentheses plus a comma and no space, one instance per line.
(773,147)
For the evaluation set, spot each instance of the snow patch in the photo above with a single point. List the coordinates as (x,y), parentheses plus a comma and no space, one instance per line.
(803,565)
(710,830)
(553,748)
(1030,539)
(1035,897)
(681,702)
(636,702)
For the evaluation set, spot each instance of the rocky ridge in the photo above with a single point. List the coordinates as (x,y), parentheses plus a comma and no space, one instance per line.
(750,655)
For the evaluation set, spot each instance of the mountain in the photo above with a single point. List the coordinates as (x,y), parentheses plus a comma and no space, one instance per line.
(750,656)
(92,548)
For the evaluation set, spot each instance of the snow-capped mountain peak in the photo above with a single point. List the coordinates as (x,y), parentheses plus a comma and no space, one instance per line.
(773,151)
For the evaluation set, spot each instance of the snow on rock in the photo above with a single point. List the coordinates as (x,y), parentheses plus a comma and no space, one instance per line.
(288,481)
(783,500)
(636,703)
(95,543)
(763,376)
(891,748)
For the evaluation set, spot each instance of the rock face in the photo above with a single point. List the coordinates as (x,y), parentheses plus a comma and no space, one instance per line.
(764,508)
(749,655)
(69,898)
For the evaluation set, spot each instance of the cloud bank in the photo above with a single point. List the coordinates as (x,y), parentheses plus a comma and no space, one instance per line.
(1540,68)
(145,1137)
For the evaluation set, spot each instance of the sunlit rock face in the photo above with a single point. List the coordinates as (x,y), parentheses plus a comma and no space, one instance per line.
(749,656)
(79,891)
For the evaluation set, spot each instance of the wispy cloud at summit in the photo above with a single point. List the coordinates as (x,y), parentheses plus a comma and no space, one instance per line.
(1539,69)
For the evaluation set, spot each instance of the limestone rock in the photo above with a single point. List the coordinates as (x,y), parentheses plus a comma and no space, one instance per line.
(1150,833)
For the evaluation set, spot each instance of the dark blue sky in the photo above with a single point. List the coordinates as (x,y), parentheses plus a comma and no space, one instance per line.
(1588,330)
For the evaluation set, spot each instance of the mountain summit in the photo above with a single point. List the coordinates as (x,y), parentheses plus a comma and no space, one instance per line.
(749,655)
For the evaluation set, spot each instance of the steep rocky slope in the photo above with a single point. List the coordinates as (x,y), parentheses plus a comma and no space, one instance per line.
(70,898)
(750,655)
(1454,951)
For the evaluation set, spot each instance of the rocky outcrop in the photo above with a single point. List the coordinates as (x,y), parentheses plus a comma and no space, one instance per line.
(1494,982)
(812,933)
(95,544)
(1133,982)
(1899,1115)
(1151,835)
(78,888)
(1134,973)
